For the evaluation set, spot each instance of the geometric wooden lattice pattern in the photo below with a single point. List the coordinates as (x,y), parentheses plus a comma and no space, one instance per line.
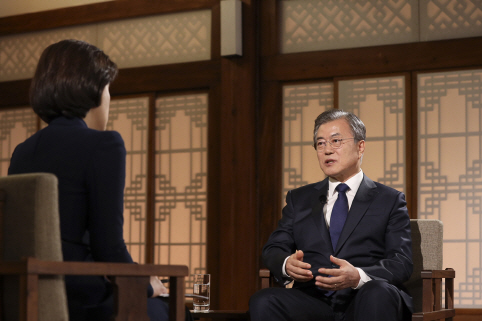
(450,172)
(130,118)
(181,181)
(156,40)
(380,104)
(19,54)
(164,39)
(310,25)
(442,19)
(301,105)
(16,125)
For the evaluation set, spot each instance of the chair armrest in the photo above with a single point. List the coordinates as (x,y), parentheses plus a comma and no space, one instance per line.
(264,273)
(266,279)
(130,281)
(438,274)
(35,266)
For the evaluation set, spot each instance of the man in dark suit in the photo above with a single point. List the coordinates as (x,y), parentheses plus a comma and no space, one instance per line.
(345,241)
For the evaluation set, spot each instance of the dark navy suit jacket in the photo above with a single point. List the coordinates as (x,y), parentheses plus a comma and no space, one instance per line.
(90,167)
(376,237)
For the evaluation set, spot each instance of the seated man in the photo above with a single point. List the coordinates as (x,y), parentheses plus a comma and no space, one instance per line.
(345,241)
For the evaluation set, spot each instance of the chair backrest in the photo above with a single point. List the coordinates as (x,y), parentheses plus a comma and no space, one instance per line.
(30,227)
(427,247)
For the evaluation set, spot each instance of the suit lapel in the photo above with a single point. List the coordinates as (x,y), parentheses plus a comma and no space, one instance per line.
(363,198)
(317,210)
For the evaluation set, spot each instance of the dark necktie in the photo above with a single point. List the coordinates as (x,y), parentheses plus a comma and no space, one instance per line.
(338,214)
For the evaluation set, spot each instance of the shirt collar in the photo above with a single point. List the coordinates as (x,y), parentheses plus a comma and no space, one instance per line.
(354,183)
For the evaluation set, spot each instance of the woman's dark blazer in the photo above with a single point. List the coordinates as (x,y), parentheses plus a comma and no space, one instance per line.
(90,167)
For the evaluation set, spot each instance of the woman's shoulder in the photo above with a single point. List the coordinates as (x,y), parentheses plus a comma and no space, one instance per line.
(76,127)
(108,135)
(105,141)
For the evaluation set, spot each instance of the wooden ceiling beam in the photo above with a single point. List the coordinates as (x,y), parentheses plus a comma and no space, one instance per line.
(98,12)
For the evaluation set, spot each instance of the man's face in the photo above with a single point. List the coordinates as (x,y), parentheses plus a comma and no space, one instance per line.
(344,162)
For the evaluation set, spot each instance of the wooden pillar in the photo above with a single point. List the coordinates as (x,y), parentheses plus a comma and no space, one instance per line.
(236,276)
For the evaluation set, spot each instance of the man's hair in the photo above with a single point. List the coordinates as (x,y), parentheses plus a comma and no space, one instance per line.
(356,125)
(69,80)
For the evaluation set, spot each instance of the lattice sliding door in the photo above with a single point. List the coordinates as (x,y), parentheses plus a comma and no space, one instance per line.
(450,174)
(180,176)
(16,125)
(130,118)
(181,181)
(380,104)
(301,105)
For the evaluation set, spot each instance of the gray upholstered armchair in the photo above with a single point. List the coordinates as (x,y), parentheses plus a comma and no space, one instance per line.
(31,267)
(425,285)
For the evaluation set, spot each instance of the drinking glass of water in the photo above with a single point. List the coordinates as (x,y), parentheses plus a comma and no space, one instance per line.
(202,292)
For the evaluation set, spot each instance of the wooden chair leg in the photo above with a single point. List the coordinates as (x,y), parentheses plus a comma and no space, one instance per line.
(176,299)
(449,292)
(28,304)
(437,292)
(427,304)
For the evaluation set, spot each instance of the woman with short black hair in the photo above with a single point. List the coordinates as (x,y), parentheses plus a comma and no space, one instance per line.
(69,80)
(70,91)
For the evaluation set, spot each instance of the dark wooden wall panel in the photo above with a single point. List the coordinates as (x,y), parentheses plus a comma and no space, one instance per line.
(458,53)
(214,193)
(413,126)
(238,199)
(182,76)
(174,77)
(151,185)
(270,137)
(270,129)
(14,93)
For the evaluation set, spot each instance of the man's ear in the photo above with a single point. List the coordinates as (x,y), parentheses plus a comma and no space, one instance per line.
(361,147)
